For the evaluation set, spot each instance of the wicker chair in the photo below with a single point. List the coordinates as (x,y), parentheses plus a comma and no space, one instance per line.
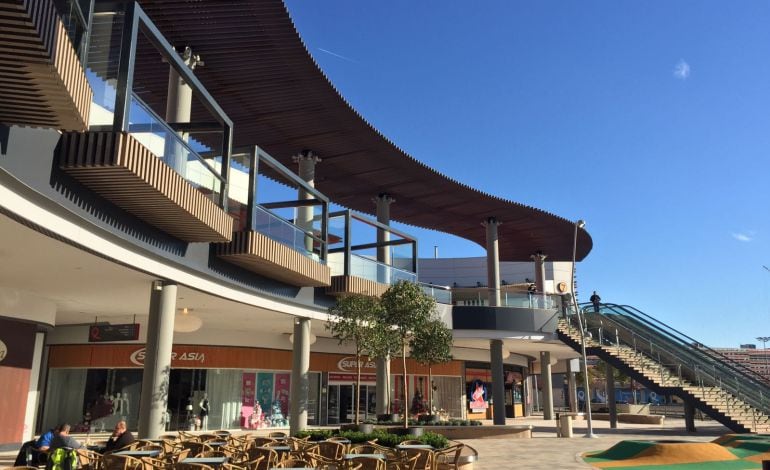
(121,462)
(370,463)
(295,463)
(448,458)
(89,460)
(150,463)
(332,450)
(424,458)
(269,456)
(192,466)
(277,434)
(195,447)
(209,437)
(365,449)
(212,453)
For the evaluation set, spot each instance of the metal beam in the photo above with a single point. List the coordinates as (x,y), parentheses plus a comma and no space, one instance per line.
(295,203)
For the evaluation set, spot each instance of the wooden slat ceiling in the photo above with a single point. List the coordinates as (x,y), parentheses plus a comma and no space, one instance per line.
(259,71)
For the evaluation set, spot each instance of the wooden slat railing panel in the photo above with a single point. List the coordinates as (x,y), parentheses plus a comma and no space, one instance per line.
(346,285)
(122,170)
(36,54)
(260,254)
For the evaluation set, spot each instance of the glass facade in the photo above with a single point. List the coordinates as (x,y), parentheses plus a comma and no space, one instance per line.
(96,399)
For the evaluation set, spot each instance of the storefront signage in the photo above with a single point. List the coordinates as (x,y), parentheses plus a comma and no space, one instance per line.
(336,378)
(348,364)
(3,351)
(191,357)
(104,333)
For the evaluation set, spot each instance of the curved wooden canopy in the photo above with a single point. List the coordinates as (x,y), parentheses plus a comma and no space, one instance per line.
(261,74)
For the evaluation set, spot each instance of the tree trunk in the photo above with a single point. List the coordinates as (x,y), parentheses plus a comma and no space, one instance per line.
(430,391)
(389,407)
(358,383)
(406,387)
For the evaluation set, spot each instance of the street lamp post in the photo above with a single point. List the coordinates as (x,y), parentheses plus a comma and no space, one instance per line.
(581,224)
(764,340)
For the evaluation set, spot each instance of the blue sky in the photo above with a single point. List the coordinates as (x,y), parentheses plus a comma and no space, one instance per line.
(650,120)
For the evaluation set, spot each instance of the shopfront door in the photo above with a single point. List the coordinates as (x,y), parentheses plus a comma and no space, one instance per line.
(342,407)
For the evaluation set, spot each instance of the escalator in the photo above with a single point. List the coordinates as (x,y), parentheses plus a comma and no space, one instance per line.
(671,363)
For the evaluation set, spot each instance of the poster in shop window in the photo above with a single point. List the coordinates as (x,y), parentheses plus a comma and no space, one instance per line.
(282,382)
(247,397)
(265,390)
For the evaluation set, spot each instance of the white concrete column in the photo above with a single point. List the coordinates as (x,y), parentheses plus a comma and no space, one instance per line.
(498,380)
(300,384)
(157,362)
(33,395)
(383,202)
(306,162)
(573,366)
(178,108)
(493,261)
(539,260)
(545,377)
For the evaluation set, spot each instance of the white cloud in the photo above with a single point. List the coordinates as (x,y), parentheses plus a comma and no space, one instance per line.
(743,237)
(682,70)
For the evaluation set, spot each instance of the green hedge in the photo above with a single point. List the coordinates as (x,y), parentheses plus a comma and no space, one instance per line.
(383,438)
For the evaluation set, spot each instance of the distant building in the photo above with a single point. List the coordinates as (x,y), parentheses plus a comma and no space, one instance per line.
(757,360)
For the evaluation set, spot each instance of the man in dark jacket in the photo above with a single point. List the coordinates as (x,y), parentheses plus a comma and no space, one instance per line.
(121,437)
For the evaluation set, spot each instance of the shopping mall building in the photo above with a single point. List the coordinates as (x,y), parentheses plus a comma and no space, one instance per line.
(184,194)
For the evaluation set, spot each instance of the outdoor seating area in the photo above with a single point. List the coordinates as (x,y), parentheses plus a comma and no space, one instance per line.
(223,450)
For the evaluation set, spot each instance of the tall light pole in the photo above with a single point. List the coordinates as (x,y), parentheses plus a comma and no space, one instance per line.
(764,340)
(581,224)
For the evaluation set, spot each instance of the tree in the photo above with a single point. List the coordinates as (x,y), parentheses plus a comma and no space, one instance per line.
(352,320)
(405,311)
(430,346)
(384,343)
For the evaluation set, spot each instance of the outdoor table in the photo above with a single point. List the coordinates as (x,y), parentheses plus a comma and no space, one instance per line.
(212,461)
(280,448)
(373,456)
(414,446)
(340,441)
(216,443)
(139,453)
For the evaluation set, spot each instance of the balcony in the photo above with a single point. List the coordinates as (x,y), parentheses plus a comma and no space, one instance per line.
(268,244)
(168,174)
(357,273)
(43,80)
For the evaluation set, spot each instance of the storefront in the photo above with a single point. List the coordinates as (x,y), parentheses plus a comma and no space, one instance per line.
(478,384)
(94,386)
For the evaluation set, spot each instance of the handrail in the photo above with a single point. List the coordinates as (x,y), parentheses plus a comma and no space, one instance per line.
(701,347)
(705,368)
(726,362)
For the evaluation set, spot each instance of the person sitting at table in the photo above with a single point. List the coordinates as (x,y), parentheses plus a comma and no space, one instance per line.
(121,437)
(36,448)
(63,439)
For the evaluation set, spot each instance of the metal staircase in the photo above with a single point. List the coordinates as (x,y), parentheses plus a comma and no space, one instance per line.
(671,363)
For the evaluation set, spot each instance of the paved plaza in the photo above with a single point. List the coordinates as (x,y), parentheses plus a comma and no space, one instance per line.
(546,451)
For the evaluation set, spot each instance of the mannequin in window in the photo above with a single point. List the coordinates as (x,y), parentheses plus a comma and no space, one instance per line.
(204,412)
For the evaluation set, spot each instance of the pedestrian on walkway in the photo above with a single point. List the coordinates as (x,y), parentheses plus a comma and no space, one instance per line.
(596,300)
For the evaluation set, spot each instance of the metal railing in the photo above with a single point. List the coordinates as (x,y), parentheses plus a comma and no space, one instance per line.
(368,268)
(286,233)
(671,358)
(440,294)
(155,134)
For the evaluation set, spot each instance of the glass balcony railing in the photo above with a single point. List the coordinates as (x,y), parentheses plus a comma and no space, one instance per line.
(367,268)
(286,233)
(153,132)
(528,300)
(440,294)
